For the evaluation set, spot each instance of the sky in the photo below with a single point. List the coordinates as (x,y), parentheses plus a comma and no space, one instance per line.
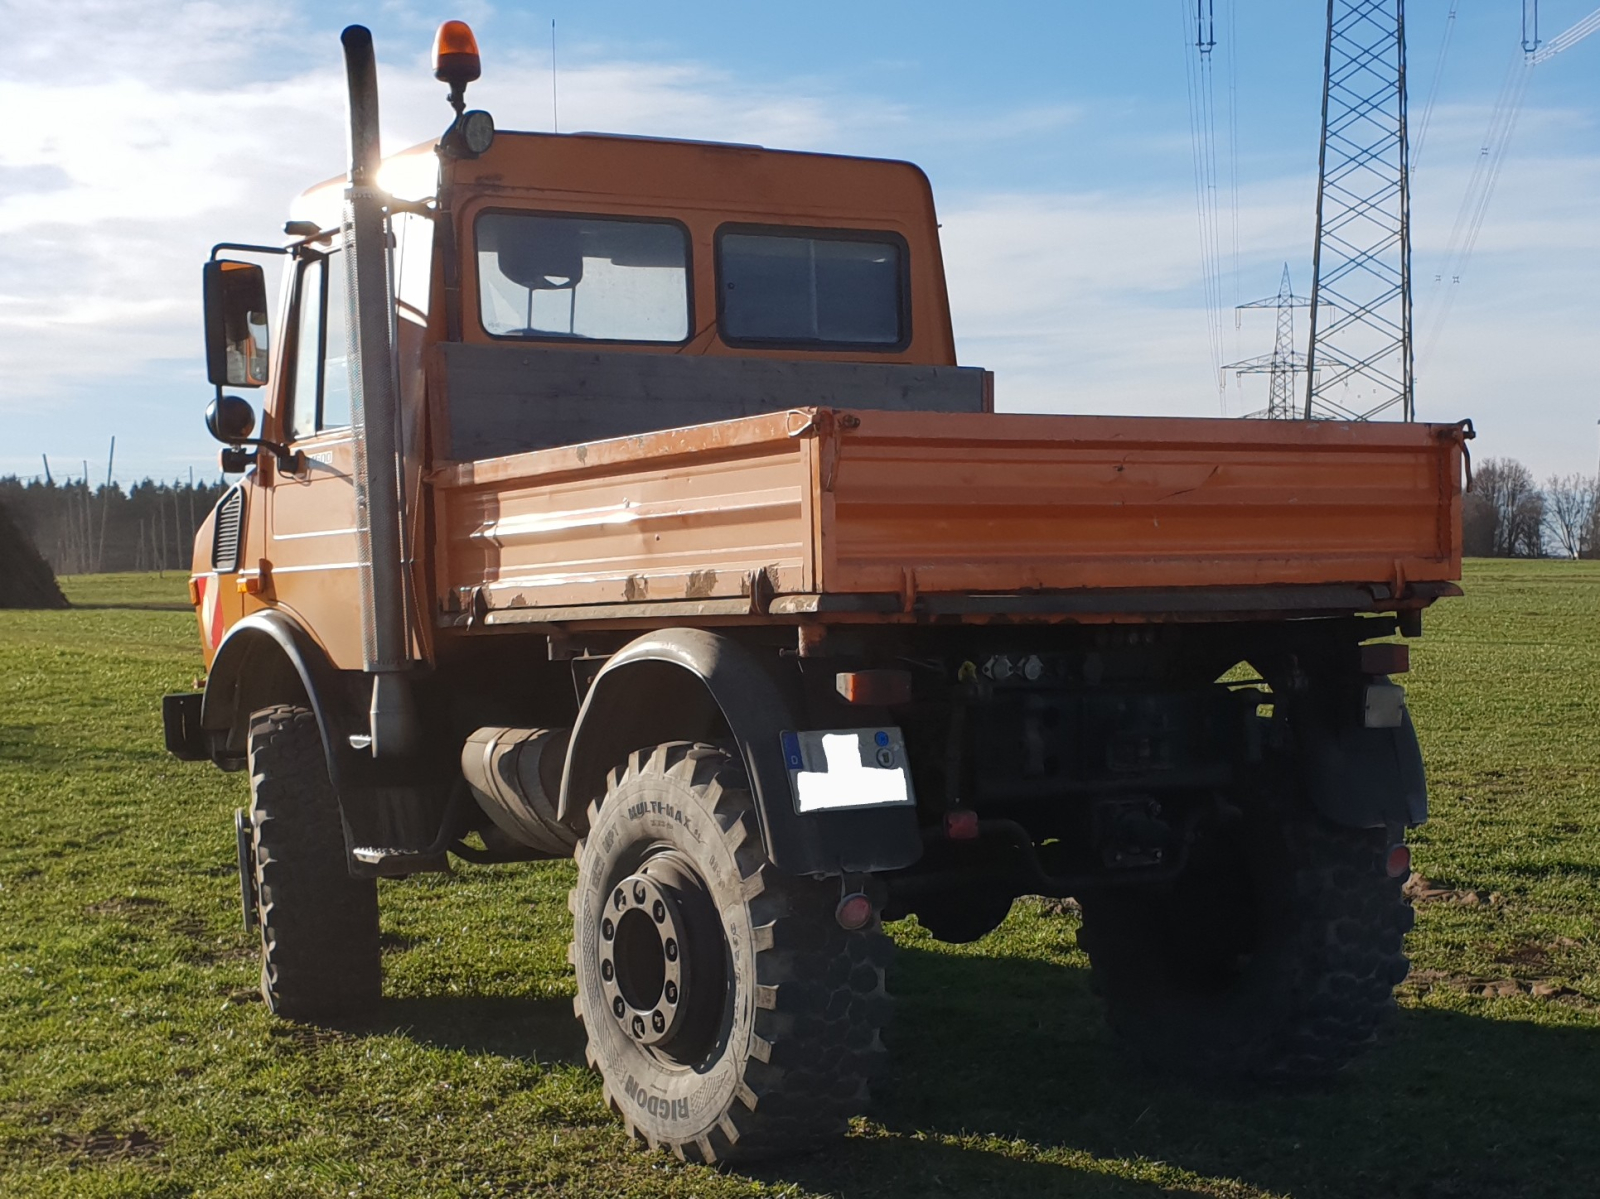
(138,133)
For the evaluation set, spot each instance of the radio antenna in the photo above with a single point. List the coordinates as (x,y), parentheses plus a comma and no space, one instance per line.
(555,111)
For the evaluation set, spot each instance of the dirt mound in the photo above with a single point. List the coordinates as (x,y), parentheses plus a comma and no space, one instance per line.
(26,580)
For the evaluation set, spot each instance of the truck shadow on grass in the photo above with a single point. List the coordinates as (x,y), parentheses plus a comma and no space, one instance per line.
(1010,1055)
(1004,1082)
(542,1030)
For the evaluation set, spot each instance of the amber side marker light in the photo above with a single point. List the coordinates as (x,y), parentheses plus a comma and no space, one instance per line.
(455,54)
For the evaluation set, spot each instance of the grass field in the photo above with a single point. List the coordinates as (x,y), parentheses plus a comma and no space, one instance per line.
(135,1058)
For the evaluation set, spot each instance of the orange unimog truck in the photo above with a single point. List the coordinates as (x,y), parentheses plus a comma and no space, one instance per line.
(622,499)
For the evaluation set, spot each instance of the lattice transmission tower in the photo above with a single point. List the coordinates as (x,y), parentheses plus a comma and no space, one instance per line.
(1284,363)
(1359,362)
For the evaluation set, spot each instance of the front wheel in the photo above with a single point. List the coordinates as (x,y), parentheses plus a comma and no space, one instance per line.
(727,1011)
(320,955)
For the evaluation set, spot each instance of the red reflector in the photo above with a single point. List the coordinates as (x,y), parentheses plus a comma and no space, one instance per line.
(961,825)
(878,688)
(1385,658)
(854,912)
(1398,863)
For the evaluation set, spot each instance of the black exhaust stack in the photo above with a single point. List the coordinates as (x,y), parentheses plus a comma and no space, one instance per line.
(375,413)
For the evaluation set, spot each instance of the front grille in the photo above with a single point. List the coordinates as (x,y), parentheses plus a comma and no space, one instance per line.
(226,532)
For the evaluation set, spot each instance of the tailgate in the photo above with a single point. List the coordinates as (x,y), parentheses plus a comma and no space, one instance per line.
(1007,503)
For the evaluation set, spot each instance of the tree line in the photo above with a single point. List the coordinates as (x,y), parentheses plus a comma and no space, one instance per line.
(1507,515)
(81,529)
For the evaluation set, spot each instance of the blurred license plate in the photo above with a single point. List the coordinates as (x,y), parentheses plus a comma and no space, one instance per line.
(834,770)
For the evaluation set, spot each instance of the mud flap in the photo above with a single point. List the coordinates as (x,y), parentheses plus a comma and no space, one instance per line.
(247,869)
(1364,777)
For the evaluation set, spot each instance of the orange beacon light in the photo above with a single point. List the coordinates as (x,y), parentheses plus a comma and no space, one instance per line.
(455,54)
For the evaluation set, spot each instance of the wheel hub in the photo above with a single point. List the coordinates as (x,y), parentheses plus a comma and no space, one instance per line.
(644,967)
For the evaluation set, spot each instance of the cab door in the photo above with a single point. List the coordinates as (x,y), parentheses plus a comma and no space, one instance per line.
(315,558)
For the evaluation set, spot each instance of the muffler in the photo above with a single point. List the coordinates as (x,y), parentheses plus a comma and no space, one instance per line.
(515,775)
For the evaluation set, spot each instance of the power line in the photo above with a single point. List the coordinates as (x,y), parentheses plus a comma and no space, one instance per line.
(1203,140)
(1433,87)
(1492,154)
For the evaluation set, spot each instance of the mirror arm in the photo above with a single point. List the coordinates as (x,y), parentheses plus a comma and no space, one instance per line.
(418,207)
(290,462)
(249,249)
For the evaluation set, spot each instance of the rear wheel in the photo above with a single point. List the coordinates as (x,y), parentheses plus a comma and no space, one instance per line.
(320,955)
(1275,955)
(728,1013)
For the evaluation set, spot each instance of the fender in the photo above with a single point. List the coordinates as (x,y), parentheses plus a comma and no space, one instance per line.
(1365,778)
(265,658)
(695,685)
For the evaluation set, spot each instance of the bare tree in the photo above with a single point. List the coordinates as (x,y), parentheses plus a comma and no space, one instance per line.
(1479,521)
(1569,513)
(1526,526)
(1504,515)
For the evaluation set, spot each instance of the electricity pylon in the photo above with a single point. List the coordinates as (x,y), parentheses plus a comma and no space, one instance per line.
(1359,362)
(1284,363)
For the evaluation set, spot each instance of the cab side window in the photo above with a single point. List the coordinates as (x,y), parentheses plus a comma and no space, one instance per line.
(321,398)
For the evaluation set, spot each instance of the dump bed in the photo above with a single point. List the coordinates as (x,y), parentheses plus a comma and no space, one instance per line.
(874,515)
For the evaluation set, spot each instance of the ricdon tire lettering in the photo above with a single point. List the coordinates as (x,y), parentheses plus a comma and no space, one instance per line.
(656,1105)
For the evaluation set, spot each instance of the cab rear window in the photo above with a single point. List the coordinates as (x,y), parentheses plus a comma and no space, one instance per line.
(816,288)
(582,278)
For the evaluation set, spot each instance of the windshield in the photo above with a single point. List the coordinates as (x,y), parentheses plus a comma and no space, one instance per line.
(587,278)
(811,288)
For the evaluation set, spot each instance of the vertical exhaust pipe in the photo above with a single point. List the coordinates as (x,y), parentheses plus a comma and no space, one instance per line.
(375,414)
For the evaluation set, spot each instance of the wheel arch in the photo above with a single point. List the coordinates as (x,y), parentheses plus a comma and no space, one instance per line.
(268,658)
(1365,778)
(1355,776)
(696,685)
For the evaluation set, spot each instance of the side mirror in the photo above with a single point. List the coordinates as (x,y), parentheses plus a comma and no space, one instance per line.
(236,323)
(230,419)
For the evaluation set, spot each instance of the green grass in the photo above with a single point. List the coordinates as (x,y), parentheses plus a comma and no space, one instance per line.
(135,1059)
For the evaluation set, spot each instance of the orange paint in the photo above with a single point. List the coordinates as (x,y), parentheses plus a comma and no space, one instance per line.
(815,514)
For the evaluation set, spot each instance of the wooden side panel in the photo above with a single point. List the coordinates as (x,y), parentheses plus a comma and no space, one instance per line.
(679,515)
(509,398)
(1004,503)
